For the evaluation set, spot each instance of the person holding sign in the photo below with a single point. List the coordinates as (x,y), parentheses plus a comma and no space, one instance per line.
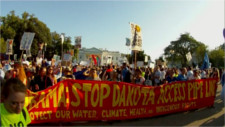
(13,112)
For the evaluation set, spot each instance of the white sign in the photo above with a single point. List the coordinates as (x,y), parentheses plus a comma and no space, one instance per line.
(55,57)
(109,60)
(146,58)
(84,63)
(28,53)
(38,60)
(15,57)
(136,37)
(67,57)
(140,63)
(26,41)
(188,56)
(24,56)
(9,48)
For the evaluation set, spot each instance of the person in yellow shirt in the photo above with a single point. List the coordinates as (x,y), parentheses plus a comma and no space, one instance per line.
(13,112)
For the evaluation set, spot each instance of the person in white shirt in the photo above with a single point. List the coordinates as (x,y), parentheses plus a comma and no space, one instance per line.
(189,73)
(195,76)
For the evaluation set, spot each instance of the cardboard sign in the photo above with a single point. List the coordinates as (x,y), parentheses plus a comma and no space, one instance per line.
(26,41)
(136,36)
(28,53)
(66,63)
(15,57)
(67,57)
(9,48)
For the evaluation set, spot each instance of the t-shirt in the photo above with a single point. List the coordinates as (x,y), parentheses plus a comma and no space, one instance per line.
(12,119)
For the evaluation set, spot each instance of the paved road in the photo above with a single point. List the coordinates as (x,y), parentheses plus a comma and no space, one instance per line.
(201,117)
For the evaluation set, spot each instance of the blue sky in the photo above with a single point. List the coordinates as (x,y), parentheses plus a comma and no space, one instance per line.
(105,24)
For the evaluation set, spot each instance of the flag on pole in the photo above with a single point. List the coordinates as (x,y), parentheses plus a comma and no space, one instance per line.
(94,59)
(62,38)
(136,37)
(206,63)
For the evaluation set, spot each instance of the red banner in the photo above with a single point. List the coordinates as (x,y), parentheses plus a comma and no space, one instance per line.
(83,100)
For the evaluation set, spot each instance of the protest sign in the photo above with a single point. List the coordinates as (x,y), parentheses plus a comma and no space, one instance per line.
(136,36)
(26,41)
(15,57)
(67,57)
(9,48)
(28,53)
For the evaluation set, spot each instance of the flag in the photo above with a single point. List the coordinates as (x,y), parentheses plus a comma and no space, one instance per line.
(127,41)
(98,60)
(22,75)
(94,59)
(62,38)
(206,63)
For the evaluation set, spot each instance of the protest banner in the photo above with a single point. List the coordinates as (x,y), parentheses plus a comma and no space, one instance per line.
(9,47)
(26,40)
(84,100)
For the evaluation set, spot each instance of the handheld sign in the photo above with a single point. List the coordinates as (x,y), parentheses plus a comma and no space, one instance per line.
(67,57)
(28,53)
(15,57)
(136,37)
(9,48)
(26,41)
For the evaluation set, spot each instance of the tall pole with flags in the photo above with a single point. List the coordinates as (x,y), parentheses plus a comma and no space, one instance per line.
(62,40)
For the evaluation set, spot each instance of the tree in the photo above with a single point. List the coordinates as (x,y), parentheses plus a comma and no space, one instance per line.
(178,49)
(140,56)
(3,46)
(55,46)
(13,27)
(216,57)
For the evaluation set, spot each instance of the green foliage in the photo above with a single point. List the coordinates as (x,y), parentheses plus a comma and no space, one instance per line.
(140,56)
(3,46)
(217,57)
(178,49)
(13,27)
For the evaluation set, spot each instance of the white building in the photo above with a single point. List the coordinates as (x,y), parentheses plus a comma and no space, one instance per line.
(103,57)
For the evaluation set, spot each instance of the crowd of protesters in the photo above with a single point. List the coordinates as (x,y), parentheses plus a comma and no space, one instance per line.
(44,75)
